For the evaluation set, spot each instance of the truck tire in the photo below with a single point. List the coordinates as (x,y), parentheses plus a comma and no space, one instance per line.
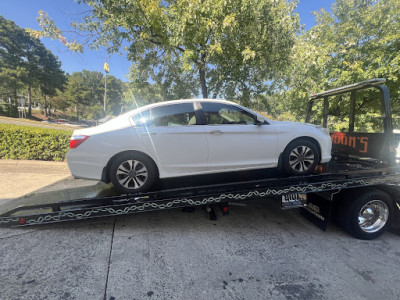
(366,214)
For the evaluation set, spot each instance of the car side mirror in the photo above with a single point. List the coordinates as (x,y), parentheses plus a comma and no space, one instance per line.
(260,121)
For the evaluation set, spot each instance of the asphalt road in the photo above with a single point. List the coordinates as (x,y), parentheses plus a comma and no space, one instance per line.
(256,252)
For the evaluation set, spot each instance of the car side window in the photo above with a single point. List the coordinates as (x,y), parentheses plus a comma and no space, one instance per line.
(173,115)
(219,113)
(169,115)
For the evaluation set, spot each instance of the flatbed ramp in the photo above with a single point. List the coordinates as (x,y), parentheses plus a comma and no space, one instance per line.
(283,188)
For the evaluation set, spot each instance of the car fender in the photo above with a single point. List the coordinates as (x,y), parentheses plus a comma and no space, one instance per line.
(290,131)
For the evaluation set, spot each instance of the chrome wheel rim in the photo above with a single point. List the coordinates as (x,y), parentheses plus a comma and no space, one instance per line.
(301,158)
(373,216)
(132,174)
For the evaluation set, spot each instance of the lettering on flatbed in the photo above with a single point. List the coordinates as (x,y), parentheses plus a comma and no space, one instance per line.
(356,142)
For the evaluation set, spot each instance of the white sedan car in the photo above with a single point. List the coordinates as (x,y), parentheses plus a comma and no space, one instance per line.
(190,137)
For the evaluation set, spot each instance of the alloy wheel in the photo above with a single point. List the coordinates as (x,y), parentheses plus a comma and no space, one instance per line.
(132,174)
(301,158)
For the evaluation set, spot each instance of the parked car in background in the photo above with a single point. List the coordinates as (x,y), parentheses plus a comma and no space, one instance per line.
(190,137)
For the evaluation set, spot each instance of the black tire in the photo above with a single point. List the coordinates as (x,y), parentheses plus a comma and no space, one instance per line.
(132,173)
(305,162)
(365,214)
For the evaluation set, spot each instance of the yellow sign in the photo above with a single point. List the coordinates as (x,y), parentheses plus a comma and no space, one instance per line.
(106,67)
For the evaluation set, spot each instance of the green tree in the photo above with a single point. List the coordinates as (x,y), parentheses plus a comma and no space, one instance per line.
(95,85)
(358,41)
(77,93)
(165,82)
(84,92)
(230,47)
(13,73)
(114,95)
(26,63)
(51,77)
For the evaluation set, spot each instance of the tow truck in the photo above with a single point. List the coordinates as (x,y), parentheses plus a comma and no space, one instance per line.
(360,187)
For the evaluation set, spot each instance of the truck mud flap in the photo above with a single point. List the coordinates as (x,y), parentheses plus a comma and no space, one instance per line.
(318,209)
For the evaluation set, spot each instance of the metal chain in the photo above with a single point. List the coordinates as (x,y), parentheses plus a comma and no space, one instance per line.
(7,220)
(208,200)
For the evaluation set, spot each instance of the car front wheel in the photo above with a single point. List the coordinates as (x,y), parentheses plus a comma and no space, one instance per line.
(300,157)
(133,173)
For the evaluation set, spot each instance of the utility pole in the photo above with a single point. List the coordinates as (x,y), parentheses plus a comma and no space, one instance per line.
(106,70)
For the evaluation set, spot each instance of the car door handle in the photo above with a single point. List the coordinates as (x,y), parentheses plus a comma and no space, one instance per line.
(215,132)
(148,133)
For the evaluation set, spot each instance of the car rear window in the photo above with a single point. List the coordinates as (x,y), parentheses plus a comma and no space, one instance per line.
(168,115)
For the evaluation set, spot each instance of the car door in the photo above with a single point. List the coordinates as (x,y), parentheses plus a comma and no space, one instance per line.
(172,137)
(234,141)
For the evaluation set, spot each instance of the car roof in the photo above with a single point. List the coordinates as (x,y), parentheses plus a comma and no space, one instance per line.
(169,102)
(188,101)
(140,109)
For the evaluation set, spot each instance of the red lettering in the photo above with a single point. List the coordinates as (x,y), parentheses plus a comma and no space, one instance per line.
(335,139)
(352,141)
(364,140)
(343,140)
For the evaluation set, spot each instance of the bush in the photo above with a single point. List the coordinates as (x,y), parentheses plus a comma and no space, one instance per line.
(25,142)
(8,110)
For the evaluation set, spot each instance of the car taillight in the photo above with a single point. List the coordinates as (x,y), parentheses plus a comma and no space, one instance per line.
(76,140)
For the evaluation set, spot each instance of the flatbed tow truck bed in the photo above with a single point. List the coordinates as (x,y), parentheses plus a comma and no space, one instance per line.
(362,194)
(315,194)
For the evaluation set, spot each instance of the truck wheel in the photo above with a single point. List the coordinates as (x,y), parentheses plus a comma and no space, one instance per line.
(368,215)
(300,157)
(133,173)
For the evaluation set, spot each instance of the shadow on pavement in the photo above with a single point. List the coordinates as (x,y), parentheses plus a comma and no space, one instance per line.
(67,189)
(71,189)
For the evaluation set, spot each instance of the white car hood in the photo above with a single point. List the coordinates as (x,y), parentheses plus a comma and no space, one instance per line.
(290,123)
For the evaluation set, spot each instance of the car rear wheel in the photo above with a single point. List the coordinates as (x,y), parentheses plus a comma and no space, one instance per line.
(133,173)
(300,157)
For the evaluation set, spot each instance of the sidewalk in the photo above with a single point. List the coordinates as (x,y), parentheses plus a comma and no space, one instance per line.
(20,177)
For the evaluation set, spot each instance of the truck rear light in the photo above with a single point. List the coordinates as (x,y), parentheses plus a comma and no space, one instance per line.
(76,140)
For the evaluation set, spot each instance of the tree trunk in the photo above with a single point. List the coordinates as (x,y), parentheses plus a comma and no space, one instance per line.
(49,106)
(77,112)
(202,73)
(217,88)
(45,105)
(15,98)
(29,101)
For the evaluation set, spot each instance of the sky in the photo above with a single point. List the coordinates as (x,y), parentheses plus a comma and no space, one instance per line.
(63,12)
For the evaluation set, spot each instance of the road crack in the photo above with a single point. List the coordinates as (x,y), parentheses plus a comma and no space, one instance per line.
(109,259)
